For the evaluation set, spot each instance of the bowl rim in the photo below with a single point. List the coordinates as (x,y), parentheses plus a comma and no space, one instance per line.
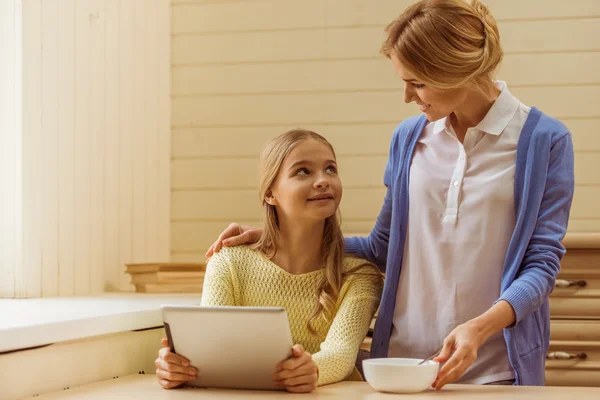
(378,361)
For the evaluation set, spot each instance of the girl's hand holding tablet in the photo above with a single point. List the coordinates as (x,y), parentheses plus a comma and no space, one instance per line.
(299,373)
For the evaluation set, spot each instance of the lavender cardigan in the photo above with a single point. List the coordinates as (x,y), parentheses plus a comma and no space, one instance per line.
(544,184)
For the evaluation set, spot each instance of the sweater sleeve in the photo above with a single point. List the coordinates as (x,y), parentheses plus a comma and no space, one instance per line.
(375,246)
(218,282)
(337,354)
(541,262)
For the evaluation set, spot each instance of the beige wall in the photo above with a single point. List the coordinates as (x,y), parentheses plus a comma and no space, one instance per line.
(85,148)
(244,71)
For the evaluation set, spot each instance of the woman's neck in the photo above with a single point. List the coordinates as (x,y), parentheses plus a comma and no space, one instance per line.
(299,247)
(472,111)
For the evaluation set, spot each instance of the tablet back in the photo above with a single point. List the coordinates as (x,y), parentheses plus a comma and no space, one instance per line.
(232,347)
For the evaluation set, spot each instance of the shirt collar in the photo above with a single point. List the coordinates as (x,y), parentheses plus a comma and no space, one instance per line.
(497,118)
(502,112)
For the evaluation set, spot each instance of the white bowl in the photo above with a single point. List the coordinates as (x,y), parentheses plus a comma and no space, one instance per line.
(400,375)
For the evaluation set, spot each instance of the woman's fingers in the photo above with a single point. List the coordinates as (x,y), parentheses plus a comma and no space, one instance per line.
(452,376)
(211,250)
(456,358)
(233,230)
(164,342)
(456,366)
(234,235)
(446,350)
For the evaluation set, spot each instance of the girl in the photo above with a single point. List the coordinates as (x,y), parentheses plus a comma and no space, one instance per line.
(479,190)
(297,263)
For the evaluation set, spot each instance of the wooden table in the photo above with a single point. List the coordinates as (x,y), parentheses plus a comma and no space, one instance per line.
(146,387)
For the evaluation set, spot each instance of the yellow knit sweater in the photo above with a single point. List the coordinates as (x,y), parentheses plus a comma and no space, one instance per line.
(240,276)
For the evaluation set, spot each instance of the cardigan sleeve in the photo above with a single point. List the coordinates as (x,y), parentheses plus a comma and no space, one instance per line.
(541,262)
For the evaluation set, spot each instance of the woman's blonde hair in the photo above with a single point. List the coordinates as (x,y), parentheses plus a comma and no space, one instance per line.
(447,43)
(328,289)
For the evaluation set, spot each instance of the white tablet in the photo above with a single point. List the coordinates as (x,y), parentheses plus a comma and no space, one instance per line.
(232,347)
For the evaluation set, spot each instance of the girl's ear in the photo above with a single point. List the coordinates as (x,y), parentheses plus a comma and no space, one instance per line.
(270,198)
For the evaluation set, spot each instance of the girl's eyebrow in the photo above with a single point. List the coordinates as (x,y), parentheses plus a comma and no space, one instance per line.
(304,162)
(298,163)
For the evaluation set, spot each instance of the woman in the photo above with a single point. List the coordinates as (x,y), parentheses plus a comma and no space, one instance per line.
(479,191)
(298,263)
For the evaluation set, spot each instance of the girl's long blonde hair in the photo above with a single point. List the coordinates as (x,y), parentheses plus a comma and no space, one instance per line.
(447,44)
(332,248)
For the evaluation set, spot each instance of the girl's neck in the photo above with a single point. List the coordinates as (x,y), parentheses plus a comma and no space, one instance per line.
(299,247)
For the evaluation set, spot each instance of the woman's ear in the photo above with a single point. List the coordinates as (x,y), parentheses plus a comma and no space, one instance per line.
(270,198)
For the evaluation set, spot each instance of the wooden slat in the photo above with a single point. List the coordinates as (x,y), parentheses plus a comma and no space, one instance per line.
(584,225)
(126,154)
(197,236)
(10,135)
(29,276)
(538,9)
(334,43)
(373,138)
(369,74)
(584,133)
(583,241)
(49,222)
(567,69)
(356,107)
(66,147)
(150,141)
(140,124)
(163,212)
(97,23)
(247,15)
(259,15)
(585,202)
(586,168)
(112,103)
(83,140)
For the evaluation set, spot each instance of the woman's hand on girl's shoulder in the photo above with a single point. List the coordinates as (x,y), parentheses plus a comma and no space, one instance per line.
(299,373)
(173,370)
(234,235)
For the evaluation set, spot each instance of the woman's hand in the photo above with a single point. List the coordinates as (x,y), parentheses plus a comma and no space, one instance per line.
(299,373)
(234,235)
(459,352)
(172,369)
(461,345)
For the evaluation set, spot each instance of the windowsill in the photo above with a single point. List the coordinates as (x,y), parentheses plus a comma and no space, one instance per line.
(26,323)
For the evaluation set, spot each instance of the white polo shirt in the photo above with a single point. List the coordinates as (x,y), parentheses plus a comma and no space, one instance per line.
(460,221)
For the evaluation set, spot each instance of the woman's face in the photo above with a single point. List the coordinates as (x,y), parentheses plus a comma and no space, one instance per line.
(435,103)
(307,186)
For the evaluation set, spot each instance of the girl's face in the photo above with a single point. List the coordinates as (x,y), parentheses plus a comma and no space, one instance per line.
(435,103)
(307,187)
